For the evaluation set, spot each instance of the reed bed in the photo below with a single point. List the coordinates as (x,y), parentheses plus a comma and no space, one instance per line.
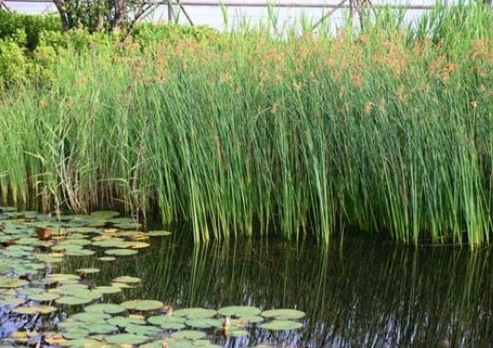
(385,129)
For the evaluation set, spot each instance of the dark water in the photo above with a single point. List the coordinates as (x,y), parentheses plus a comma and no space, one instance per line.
(366,293)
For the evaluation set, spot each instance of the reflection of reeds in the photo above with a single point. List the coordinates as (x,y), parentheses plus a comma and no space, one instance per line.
(364,294)
(388,129)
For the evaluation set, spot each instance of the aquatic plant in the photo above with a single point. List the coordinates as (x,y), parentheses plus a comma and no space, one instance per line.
(384,128)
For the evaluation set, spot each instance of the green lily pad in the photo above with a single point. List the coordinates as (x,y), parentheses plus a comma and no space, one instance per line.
(204,323)
(88,270)
(143,330)
(126,339)
(165,319)
(11,302)
(74,301)
(108,308)
(142,305)
(283,314)
(126,321)
(105,290)
(90,317)
(128,226)
(35,310)
(121,252)
(158,233)
(104,215)
(109,243)
(107,258)
(45,297)
(7,283)
(194,313)
(238,311)
(189,334)
(80,343)
(80,252)
(100,328)
(127,280)
(281,325)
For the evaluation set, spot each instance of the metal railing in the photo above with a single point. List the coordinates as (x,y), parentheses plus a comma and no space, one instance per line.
(176,7)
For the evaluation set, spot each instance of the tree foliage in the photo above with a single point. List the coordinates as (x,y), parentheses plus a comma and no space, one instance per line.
(99,15)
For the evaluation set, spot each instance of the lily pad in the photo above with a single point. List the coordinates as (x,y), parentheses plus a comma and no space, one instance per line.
(238,311)
(281,325)
(11,302)
(45,297)
(108,308)
(81,342)
(189,334)
(121,252)
(125,321)
(142,305)
(108,289)
(80,252)
(127,280)
(283,314)
(7,283)
(127,339)
(73,301)
(158,233)
(204,323)
(193,313)
(88,317)
(35,310)
(143,330)
(165,319)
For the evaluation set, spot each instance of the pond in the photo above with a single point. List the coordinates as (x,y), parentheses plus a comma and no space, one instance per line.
(368,292)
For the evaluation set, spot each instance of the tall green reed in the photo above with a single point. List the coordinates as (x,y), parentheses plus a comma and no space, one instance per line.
(385,128)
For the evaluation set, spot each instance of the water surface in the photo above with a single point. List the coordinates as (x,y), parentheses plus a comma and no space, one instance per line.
(366,293)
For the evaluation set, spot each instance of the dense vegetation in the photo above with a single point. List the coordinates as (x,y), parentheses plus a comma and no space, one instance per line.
(388,129)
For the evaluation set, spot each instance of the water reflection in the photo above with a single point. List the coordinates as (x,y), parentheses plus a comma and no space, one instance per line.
(367,293)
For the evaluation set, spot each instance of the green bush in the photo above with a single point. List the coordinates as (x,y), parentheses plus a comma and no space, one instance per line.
(33,26)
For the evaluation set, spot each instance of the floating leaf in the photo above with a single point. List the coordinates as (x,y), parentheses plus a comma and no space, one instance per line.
(204,323)
(81,342)
(126,339)
(7,283)
(100,328)
(283,314)
(126,321)
(158,233)
(108,308)
(189,334)
(127,280)
(238,311)
(142,305)
(281,325)
(165,319)
(108,289)
(143,330)
(35,309)
(45,297)
(81,252)
(192,313)
(121,252)
(73,301)
(12,302)
(90,317)
(107,258)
